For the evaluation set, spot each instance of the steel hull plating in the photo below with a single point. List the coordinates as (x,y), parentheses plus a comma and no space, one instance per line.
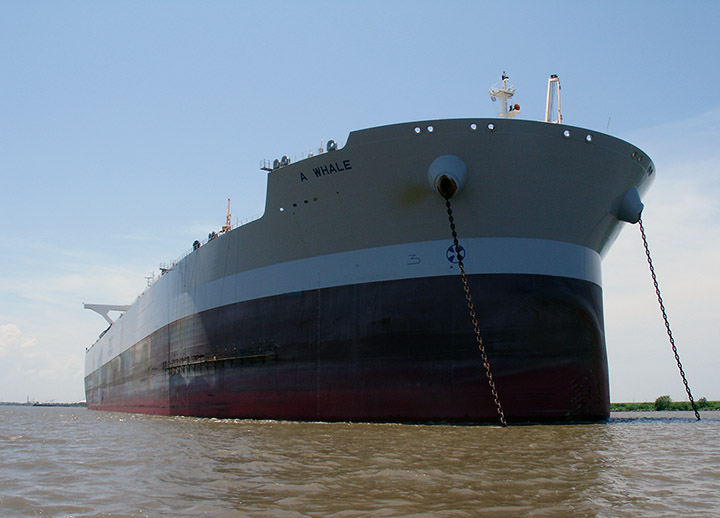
(344,302)
(296,357)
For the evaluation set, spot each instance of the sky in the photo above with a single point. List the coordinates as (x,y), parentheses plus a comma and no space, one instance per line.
(126,126)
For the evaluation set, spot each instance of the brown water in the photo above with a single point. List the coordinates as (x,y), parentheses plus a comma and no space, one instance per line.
(71,462)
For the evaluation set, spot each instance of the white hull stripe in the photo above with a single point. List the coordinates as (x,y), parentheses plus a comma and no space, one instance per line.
(406,261)
(165,303)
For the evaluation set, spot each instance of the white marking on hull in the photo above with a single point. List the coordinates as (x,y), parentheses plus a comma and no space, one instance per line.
(165,302)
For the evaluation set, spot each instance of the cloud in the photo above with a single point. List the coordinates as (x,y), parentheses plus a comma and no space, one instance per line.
(38,366)
(682,221)
(44,330)
(682,141)
(12,339)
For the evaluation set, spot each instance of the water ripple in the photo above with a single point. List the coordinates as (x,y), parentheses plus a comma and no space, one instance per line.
(77,463)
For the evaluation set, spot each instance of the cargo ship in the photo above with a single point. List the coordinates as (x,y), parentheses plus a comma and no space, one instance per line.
(344,301)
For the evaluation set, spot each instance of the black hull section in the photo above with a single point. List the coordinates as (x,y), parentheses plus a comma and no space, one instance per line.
(397,351)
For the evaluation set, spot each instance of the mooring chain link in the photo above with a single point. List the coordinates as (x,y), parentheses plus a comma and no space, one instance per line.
(665,318)
(473,317)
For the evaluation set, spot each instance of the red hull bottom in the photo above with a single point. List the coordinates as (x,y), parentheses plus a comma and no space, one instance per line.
(400,351)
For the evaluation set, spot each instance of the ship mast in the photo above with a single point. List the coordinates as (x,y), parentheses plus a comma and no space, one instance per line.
(553,112)
(501,90)
(226,227)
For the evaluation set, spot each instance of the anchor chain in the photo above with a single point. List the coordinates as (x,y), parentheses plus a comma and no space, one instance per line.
(473,317)
(665,318)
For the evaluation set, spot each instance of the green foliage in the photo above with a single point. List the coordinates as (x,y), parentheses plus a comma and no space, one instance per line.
(663,403)
(631,407)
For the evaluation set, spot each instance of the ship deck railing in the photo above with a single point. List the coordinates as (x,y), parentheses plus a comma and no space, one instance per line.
(165,267)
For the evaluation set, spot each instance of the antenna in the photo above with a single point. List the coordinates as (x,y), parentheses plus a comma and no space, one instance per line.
(227,226)
(553,112)
(501,90)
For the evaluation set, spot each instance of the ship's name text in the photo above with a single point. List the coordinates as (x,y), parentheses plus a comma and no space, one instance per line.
(326,169)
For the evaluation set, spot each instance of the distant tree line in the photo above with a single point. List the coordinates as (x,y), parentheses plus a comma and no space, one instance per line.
(665,403)
(31,403)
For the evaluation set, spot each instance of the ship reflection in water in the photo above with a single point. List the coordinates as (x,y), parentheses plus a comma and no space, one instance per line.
(75,462)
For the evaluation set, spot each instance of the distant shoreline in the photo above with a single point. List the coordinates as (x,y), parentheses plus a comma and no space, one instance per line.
(35,403)
(701,404)
(646,406)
